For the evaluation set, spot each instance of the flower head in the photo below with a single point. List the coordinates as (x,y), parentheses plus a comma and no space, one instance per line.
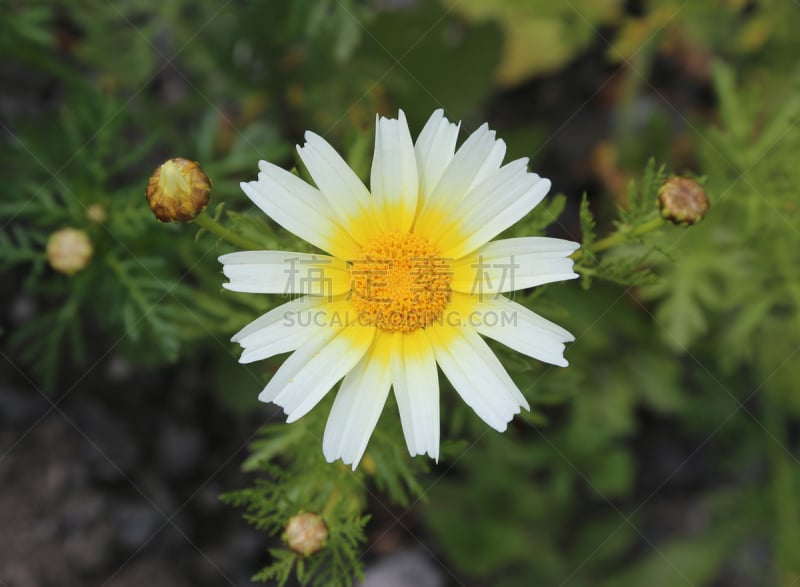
(178,190)
(411,279)
(69,250)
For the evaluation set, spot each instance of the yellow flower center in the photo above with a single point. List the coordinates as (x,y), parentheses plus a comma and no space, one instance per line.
(399,282)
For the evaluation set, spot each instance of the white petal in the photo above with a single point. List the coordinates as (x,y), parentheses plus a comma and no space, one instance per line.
(476,374)
(522,330)
(446,227)
(465,166)
(416,387)
(394,182)
(358,405)
(280,330)
(445,203)
(512,264)
(434,150)
(492,164)
(285,272)
(313,369)
(341,187)
(299,208)
(493,206)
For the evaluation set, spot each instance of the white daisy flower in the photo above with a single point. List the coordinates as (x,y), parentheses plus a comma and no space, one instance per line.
(411,280)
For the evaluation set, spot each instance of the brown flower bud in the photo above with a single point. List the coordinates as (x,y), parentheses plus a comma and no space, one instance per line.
(178,190)
(69,250)
(306,533)
(683,201)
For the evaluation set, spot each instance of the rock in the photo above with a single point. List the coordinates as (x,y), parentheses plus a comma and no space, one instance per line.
(90,552)
(44,530)
(243,548)
(108,445)
(83,511)
(404,568)
(235,556)
(88,534)
(17,574)
(208,501)
(56,477)
(22,309)
(20,407)
(119,370)
(136,523)
(180,449)
(150,573)
(152,484)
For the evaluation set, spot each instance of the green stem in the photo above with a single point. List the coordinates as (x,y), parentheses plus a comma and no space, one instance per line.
(621,237)
(334,498)
(214,227)
(125,280)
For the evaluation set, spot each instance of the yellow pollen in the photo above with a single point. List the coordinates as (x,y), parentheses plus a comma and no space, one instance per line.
(399,282)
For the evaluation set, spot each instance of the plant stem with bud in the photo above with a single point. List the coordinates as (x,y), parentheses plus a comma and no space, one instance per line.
(214,227)
(621,237)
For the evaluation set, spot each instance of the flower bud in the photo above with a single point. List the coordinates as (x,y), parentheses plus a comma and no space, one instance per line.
(306,533)
(69,250)
(178,191)
(96,213)
(683,201)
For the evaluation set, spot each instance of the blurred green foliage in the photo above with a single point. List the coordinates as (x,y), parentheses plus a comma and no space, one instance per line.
(687,339)
(540,37)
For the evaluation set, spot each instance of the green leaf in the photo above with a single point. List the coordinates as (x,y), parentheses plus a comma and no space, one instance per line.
(588,238)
